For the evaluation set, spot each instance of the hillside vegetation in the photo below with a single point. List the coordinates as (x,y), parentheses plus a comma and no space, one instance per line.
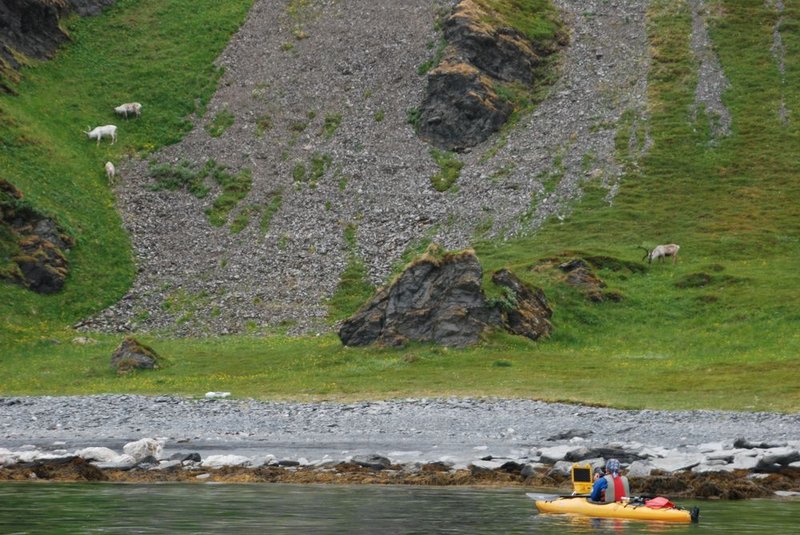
(45,154)
(720,329)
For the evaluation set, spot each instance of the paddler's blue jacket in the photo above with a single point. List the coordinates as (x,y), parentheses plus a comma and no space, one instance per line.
(602,484)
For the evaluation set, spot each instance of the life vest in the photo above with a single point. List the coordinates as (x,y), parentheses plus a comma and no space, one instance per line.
(618,487)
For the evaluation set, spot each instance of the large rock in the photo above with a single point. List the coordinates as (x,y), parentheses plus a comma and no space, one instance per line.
(373,461)
(640,469)
(498,50)
(783,455)
(529,314)
(97,453)
(33,28)
(462,107)
(438,298)
(434,300)
(623,455)
(145,447)
(578,273)
(678,461)
(220,461)
(556,453)
(133,355)
(39,246)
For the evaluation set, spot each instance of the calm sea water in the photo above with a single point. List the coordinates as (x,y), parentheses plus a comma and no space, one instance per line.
(54,508)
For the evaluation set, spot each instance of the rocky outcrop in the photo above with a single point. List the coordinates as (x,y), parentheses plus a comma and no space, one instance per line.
(133,355)
(462,107)
(434,300)
(704,477)
(31,28)
(438,298)
(580,272)
(528,313)
(38,247)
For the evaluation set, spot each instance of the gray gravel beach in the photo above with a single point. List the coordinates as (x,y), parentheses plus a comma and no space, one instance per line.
(455,429)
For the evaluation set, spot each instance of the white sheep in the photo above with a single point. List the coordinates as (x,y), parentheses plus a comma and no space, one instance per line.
(660,252)
(111,172)
(100,132)
(129,107)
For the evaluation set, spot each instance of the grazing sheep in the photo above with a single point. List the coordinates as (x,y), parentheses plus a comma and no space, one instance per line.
(100,132)
(111,172)
(660,252)
(129,107)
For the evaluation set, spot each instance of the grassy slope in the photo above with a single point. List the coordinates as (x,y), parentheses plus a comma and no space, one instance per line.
(44,153)
(732,205)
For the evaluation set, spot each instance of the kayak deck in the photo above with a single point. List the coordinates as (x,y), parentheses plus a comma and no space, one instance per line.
(582,506)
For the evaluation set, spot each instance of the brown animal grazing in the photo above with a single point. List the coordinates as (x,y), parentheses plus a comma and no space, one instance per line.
(660,252)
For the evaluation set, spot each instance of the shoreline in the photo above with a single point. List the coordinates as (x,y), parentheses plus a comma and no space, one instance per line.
(449,441)
(742,484)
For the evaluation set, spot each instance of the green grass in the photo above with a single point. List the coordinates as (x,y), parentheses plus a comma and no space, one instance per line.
(331,124)
(220,123)
(319,368)
(536,19)
(242,219)
(719,330)
(449,169)
(354,288)
(45,154)
(438,54)
(235,188)
(733,207)
(183,175)
(275,201)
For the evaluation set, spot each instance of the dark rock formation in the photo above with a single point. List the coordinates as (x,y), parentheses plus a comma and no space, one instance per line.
(747,444)
(133,355)
(439,299)
(580,274)
(68,468)
(461,107)
(373,461)
(433,300)
(32,28)
(501,52)
(530,314)
(607,452)
(36,247)
(42,262)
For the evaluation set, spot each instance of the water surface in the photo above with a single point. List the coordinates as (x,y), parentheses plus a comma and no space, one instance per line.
(57,508)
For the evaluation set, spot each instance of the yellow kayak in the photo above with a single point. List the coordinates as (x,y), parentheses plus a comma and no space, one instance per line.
(631,510)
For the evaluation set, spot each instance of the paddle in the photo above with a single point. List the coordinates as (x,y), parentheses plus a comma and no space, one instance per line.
(551,497)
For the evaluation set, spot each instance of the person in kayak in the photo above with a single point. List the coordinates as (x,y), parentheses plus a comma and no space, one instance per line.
(612,487)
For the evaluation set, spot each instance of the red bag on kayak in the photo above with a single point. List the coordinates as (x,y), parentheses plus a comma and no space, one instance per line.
(659,502)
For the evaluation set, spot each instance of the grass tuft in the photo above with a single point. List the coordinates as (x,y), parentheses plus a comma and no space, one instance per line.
(449,169)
